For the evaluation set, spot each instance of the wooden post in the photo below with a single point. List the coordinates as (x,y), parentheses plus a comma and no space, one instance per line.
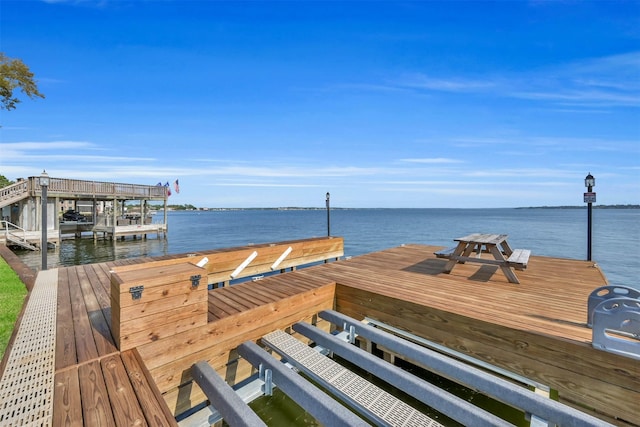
(166,228)
(114,218)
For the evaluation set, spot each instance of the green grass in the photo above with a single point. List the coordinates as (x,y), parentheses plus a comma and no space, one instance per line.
(12,294)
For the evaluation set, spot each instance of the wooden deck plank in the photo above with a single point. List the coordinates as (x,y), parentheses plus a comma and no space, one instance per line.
(239,297)
(124,403)
(85,344)
(225,296)
(222,304)
(96,409)
(101,328)
(216,309)
(101,282)
(67,403)
(261,293)
(284,286)
(146,391)
(65,337)
(252,296)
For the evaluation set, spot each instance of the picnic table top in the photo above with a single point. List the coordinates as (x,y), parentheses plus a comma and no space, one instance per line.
(492,239)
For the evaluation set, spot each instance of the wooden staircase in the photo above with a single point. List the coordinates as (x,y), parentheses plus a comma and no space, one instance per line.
(14,193)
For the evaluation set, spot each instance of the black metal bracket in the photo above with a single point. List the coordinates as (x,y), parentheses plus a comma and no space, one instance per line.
(195,281)
(136,292)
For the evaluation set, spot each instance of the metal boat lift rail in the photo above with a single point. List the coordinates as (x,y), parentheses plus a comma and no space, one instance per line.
(491,385)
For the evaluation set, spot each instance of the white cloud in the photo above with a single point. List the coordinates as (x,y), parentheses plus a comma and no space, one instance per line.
(262,184)
(40,145)
(437,160)
(610,81)
(457,84)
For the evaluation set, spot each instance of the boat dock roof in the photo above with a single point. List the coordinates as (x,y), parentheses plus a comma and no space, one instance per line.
(537,329)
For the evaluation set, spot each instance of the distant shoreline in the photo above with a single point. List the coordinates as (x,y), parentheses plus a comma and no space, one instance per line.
(293,208)
(584,207)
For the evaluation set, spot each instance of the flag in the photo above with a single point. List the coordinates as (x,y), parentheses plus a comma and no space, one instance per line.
(159,184)
(176,186)
(168,189)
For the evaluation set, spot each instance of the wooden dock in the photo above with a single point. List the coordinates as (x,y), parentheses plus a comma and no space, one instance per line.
(536,329)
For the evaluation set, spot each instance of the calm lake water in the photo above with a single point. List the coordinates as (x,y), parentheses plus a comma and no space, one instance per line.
(549,232)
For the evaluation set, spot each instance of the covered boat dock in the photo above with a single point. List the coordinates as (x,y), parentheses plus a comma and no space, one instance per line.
(99,210)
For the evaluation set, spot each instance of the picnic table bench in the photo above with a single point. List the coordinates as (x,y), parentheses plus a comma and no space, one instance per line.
(495,244)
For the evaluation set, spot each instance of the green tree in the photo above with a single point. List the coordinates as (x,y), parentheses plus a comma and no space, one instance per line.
(4,181)
(15,74)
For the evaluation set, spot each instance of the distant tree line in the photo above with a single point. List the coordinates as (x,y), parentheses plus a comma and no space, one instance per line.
(186,207)
(4,181)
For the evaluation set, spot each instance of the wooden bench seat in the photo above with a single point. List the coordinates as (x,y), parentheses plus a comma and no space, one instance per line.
(519,259)
(445,253)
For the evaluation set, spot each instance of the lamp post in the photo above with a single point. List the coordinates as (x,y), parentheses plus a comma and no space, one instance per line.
(589,199)
(328,216)
(44,183)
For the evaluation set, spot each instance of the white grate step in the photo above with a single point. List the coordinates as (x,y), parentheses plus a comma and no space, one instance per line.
(26,387)
(374,400)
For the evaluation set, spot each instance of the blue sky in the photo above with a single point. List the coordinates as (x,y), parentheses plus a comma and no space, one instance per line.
(382,104)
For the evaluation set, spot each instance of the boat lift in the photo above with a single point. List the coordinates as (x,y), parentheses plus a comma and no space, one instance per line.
(369,401)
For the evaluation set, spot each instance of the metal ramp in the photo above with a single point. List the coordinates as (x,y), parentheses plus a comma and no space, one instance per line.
(370,399)
(20,242)
(11,234)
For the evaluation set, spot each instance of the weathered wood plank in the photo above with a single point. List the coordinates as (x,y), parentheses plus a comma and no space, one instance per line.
(219,308)
(65,337)
(175,297)
(153,328)
(96,409)
(124,403)
(519,258)
(101,283)
(153,406)
(67,403)
(226,296)
(445,253)
(254,295)
(85,343)
(100,327)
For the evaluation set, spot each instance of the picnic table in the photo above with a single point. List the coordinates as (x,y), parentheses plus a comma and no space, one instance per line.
(495,244)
